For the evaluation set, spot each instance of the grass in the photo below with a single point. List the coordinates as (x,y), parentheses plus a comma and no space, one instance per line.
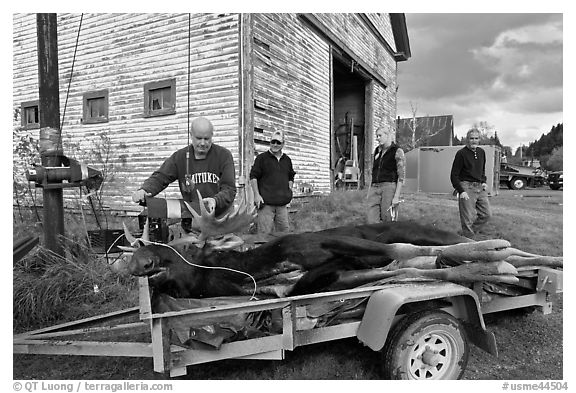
(57,290)
(530,220)
(50,289)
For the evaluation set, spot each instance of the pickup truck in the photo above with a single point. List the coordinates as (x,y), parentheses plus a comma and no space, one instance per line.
(556,180)
(518,177)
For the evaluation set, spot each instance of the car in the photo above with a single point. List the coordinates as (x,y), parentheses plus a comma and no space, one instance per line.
(556,180)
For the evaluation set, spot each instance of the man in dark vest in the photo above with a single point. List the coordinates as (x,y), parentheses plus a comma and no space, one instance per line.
(468,176)
(388,174)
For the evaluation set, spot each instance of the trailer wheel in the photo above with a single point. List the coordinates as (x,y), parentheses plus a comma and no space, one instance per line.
(517,183)
(426,345)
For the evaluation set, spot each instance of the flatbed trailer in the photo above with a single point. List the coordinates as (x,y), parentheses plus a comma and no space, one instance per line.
(421,327)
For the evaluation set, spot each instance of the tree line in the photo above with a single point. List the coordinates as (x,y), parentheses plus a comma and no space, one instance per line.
(548,149)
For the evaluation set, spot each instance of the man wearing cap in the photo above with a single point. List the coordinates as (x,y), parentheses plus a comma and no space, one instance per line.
(272,177)
(202,166)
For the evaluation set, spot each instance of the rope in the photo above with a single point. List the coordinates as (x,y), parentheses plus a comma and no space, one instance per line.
(188,117)
(70,81)
(210,267)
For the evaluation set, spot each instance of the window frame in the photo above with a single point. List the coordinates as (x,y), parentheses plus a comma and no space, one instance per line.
(86,118)
(23,106)
(149,112)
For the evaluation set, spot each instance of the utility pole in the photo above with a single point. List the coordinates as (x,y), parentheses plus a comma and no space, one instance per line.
(414,110)
(50,140)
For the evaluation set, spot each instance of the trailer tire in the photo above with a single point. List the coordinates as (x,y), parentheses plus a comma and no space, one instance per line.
(517,183)
(427,345)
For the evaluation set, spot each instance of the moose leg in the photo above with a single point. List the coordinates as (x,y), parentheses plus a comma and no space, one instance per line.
(487,250)
(535,260)
(470,272)
(323,276)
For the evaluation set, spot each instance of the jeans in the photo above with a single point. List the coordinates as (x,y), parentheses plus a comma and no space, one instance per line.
(474,212)
(269,215)
(379,200)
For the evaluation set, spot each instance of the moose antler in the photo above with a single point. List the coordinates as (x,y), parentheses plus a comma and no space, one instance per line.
(210,226)
(136,242)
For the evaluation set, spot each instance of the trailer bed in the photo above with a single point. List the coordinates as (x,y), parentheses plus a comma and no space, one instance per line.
(140,332)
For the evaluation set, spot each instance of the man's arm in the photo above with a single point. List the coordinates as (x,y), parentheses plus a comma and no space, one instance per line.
(483,177)
(455,173)
(401,170)
(159,180)
(255,174)
(258,200)
(484,168)
(291,174)
(227,192)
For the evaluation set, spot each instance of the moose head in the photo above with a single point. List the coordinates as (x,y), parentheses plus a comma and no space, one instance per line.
(164,263)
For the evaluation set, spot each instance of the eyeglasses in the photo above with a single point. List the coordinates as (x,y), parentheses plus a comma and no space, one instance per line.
(274,142)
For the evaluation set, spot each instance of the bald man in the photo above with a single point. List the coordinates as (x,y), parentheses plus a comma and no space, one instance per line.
(202,166)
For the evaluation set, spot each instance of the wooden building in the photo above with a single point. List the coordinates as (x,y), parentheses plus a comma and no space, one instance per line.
(139,78)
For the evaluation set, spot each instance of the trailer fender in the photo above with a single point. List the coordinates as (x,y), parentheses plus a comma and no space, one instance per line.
(384,304)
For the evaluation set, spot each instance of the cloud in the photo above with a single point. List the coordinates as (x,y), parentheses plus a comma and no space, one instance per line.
(526,57)
(505,69)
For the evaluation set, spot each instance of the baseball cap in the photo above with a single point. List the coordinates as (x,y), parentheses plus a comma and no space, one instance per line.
(277,136)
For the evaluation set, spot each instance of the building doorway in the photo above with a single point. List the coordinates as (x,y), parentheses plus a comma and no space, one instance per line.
(348,128)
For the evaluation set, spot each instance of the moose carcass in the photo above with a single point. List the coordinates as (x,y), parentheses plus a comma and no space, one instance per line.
(316,260)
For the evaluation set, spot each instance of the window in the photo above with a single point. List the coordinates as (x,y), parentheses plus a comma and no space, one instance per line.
(160,98)
(95,107)
(30,114)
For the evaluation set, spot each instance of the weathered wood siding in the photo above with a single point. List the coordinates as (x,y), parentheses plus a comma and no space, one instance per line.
(287,77)
(353,32)
(292,94)
(382,23)
(122,52)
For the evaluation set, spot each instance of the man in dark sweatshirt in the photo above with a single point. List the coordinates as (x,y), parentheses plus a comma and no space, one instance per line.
(202,166)
(468,176)
(272,177)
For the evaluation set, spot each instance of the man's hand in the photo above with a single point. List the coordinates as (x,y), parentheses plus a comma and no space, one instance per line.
(210,204)
(464,195)
(140,195)
(258,201)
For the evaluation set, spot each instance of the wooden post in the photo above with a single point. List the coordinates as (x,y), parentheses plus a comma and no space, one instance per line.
(370,125)
(246,106)
(332,134)
(50,141)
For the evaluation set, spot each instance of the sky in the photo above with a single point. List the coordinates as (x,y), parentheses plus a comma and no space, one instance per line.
(504,69)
